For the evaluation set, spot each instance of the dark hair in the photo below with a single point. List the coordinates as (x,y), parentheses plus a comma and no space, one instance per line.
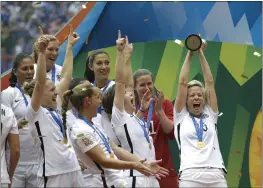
(76,97)
(108,98)
(76,81)
(89,74)
(18,59)
(137,74)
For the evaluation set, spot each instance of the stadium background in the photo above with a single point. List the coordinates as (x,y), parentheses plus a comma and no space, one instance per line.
(233,31)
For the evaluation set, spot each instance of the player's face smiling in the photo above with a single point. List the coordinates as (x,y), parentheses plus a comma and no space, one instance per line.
(49,99)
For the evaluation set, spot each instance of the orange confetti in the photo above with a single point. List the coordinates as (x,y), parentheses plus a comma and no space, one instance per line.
(244,76)
(236,152)
(239,174)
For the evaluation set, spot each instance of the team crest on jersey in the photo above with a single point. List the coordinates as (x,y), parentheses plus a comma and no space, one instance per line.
(87,141)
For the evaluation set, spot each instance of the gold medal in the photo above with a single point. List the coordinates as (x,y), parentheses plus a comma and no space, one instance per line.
(200,144)
(150,145)
(111,155)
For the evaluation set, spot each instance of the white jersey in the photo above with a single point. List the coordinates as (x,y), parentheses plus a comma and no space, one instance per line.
(131,136)
(186,137)
(71,117)
(84,138)
(13,98)
(57,73)
(8,126)
(106,123)
(56,158)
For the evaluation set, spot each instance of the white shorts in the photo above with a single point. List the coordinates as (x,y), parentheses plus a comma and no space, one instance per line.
(142,181)
(25,176)
(71,179)
(202,177)
(95,181)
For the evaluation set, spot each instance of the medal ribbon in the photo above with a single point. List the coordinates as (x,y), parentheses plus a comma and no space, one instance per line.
(101,135)
(198,128)
(142,124)
(53,72)
(18,87)
(58,121)
(103,92)
(149,117)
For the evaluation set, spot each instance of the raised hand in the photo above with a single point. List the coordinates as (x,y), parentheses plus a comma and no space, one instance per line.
(144,102)
(41,32)
(42,43)
(159,101)
(159,171)
(128,48)
(73,36)
(120,42)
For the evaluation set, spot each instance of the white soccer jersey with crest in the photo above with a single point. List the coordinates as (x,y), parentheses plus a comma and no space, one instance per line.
(84,138)
(58,70)
(185,133)
(8,126)
(56,157)
(131,136)
(13,98)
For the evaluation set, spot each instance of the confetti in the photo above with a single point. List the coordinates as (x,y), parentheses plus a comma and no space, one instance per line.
(244,76)
(239,174)
(84,6)
(146,19)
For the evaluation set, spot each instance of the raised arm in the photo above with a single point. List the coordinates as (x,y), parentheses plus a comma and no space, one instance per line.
(120,77)
(40,74)
(67,69)
(183,81)
(129,76)
(209,82)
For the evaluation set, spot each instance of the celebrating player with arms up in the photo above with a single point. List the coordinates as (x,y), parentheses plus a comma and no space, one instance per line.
(195,120)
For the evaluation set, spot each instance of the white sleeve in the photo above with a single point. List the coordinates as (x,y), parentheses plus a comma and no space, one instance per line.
(85,141)
(14,127)
(31,114)
(178,117)
(118,117)
(7,98)
(212,115)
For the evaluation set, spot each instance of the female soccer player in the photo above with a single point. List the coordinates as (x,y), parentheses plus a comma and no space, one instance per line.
(89,139)
(53,70)
(131,131)
(195,120)
(14,97)
(59,165)
(9,134)
(160,112)
(97,72)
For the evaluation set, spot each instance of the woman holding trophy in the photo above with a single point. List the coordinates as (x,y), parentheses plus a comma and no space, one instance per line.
(195,122)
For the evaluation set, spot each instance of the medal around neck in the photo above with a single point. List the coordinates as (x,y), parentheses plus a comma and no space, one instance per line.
(193,42)
(200,144)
